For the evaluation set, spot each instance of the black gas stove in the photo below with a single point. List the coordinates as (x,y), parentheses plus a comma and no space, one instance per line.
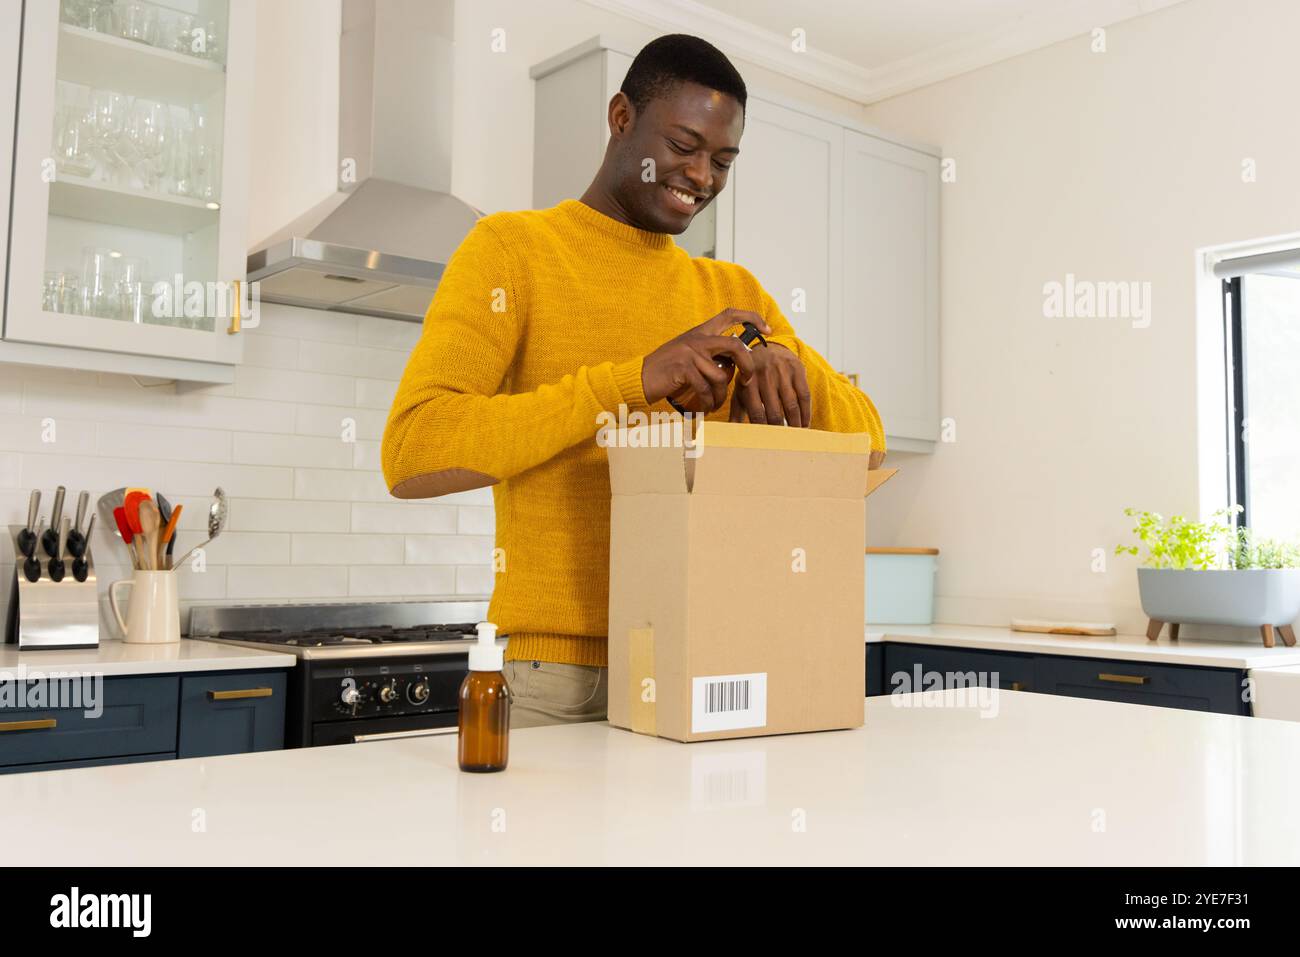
(330,637)
(365,671)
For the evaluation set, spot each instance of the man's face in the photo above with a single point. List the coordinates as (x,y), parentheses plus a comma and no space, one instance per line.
(692,135)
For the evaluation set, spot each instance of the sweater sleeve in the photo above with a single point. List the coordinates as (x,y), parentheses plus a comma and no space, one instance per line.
(837,404)
(449,428)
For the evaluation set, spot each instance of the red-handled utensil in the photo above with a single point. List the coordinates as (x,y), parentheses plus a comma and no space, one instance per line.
(128,536)
(132,507)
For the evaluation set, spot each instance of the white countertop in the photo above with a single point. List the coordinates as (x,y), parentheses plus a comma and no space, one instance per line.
(120,658)
(1047,780)
(1185,651)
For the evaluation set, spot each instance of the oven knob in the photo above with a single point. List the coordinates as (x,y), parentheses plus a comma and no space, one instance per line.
(418,692)
(351,697)
(388,693)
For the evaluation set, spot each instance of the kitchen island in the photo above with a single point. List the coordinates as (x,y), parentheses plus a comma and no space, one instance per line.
(943,778)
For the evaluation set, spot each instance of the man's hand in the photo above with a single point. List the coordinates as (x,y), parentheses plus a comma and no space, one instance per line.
(684,368)
(778,391)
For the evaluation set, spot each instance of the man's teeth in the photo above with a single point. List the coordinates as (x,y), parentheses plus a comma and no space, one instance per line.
(686,198)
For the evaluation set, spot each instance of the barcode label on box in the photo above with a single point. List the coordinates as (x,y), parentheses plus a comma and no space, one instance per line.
(728,702)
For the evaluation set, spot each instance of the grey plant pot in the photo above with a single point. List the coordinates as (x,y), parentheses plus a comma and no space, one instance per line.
(1251,597)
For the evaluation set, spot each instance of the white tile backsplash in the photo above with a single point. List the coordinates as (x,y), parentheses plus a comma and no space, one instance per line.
(337,485)
(411,516)
(259,448)
(375,393)
(334,421)
(353,360)
(289,385)
(475,520)
(28,433)
(387,334)
(474,579)
(11,396)
(313,549)
(285,583)
(278,515)
(10,470)
(448,549)
(170,442)
(310,516)
(120,399)
(393,581)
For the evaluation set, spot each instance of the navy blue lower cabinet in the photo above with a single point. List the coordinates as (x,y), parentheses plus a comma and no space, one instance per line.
(231,712)
(1190,687)
(94,720)
(910,668)
(876,670)
(90,763)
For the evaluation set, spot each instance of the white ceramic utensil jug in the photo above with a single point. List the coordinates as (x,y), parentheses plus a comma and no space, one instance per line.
(154,615)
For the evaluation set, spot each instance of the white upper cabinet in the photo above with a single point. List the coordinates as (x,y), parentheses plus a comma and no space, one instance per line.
(130,199)
(786,187)
(891,283)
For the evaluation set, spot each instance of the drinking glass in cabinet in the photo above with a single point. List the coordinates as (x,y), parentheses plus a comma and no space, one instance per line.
(74,137)
(197,167)
(62,293)
(137,20)
(155,122)
(99,274)
(97,15)
(133,290)
(108,111)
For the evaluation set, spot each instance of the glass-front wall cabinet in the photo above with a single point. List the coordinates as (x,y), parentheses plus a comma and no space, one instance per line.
(130,179)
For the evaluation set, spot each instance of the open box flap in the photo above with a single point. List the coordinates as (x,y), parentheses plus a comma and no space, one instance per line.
(733,458)
(877,478)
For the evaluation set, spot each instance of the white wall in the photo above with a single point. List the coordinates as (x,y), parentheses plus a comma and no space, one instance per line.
(1111,166)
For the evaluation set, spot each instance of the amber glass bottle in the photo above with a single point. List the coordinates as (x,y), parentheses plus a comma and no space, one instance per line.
(485,707)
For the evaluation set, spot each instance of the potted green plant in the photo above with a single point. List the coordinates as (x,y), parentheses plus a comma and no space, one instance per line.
(1206,573)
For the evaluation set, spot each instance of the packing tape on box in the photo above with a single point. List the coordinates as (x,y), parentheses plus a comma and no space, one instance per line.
(641,669)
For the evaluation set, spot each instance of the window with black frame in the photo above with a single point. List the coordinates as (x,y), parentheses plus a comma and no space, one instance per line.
(1261,308)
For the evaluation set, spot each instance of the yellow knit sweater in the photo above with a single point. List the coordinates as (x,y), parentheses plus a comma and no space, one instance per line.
(539,323)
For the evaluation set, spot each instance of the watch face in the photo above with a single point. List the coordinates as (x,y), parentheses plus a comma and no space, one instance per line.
(749,335)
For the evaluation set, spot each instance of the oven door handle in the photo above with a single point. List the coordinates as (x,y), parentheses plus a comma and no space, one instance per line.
(416,733)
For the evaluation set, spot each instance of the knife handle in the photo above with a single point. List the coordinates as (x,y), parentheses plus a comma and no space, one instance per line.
(33,506)
(56,515)
(83,500)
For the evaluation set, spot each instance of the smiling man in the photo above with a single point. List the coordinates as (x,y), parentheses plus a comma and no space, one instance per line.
(546,319)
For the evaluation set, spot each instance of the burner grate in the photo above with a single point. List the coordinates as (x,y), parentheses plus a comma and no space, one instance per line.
(383,634)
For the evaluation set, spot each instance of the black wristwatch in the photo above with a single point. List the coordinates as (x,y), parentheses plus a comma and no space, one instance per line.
(747,335)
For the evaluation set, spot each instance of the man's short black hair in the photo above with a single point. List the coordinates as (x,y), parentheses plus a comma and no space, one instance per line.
(669,61)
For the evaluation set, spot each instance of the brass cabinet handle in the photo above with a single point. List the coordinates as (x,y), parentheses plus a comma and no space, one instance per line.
(1017,686)
(1124,679)
(235,323)
(36,724)
(852,377)
(240,693)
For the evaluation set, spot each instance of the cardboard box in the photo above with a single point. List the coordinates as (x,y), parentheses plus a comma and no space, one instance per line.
(736,579)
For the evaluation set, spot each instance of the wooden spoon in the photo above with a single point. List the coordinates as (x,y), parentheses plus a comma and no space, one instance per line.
(150,520)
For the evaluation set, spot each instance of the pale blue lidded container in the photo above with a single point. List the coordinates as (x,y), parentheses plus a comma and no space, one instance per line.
(900,585)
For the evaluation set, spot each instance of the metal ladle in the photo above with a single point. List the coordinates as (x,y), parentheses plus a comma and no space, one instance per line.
(216,522)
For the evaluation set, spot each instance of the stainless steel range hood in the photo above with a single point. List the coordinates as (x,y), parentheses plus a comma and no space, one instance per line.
(379,247)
